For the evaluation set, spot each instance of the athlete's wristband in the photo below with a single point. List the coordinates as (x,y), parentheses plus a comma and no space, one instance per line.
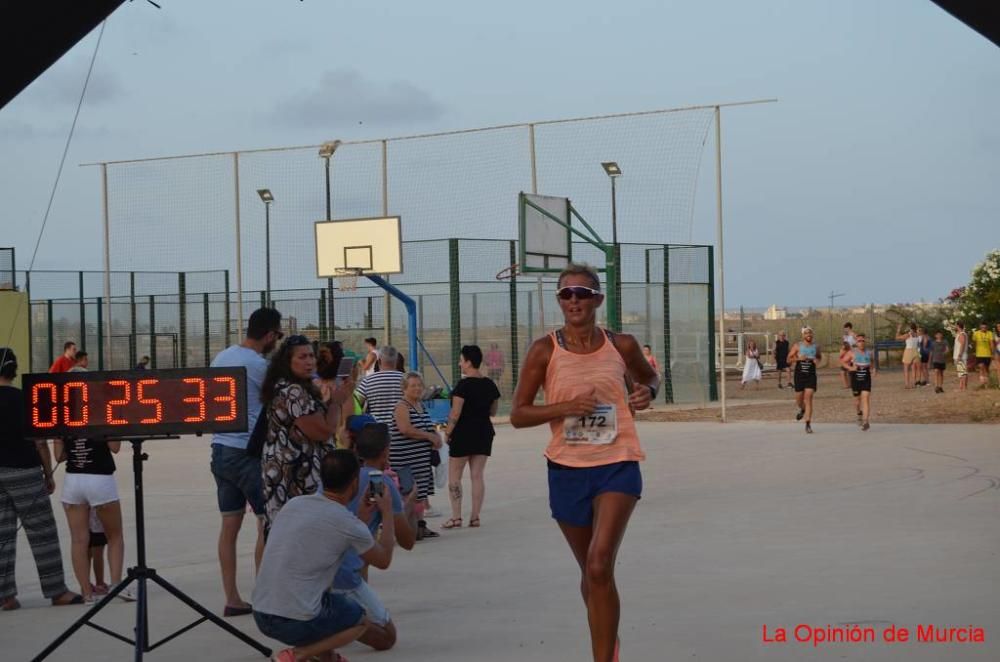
(652,391)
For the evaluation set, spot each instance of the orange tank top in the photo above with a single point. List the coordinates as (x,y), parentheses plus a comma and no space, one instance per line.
(569,375)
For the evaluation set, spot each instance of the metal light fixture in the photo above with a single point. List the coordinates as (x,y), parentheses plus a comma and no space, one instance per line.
(327,149)
(612,169)
(267,198)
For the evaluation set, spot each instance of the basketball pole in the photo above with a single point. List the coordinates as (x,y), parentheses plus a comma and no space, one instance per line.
(721,264)
(534,190)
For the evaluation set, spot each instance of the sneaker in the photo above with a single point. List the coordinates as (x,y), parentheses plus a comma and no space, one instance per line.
(809,428)
(90,599)
(431,513)
(865,427)
(128,594)
(798,416)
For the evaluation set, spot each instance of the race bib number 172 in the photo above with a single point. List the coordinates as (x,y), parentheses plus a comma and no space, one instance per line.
(600,427)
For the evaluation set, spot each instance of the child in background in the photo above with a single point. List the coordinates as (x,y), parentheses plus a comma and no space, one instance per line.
(98,541)
(938,356)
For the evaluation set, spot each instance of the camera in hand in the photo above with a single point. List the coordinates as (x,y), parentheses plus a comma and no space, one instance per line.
(375,485)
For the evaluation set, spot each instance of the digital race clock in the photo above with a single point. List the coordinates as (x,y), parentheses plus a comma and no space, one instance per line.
(142,403)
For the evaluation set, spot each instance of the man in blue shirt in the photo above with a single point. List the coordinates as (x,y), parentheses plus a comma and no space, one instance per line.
(238,475)
(372,447)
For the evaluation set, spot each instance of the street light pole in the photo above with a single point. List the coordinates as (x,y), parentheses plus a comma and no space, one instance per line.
(267,249)
(614,213)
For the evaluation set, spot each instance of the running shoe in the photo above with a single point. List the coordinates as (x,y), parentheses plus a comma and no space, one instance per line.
(798,416)
(809,428)
(865,427)
(128,595)
(431,512)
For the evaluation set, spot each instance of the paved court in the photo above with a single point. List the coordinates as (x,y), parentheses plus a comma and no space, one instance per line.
(740,526)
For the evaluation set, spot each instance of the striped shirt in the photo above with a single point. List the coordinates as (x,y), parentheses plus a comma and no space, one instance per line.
(413,453)
(381,391)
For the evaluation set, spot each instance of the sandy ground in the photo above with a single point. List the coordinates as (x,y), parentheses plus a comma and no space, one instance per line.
(740,526)
(891,402)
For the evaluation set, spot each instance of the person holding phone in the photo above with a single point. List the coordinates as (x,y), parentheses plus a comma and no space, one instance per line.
(332,370)
(594,453)
(372,447)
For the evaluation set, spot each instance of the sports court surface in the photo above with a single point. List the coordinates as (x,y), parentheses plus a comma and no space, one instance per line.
(740,526)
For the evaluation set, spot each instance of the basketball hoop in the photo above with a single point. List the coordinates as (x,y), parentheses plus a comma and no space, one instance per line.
(508,272)
(347,279)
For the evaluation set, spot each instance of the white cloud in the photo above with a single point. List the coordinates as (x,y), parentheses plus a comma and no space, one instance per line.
(343,96)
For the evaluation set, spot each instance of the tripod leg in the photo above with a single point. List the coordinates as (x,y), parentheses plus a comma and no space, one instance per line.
(141,620)
(177,593)
(83,620)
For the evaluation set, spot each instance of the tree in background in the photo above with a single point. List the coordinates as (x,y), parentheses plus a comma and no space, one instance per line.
(979,301)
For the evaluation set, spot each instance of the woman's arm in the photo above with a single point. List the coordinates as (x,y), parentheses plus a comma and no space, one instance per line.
(494,407)
(457,402)
(58,450)
(525,412)
(320,426)
(406,427)
(43,452)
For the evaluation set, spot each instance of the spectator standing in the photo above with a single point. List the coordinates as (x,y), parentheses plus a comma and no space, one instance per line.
(911,354)
(307,544)
(493,360)
(237,475)
(66,360)
(985,346)
(413,439)
(379,392)
(647,353)
(923,377)
(470,433)
(143,363)
(299,426)
(996,353)
(960,354)
(330,356)
(751,365)
(370,363)
(850,337)
(25,485)
(939,354)
(845,351)
(781,358)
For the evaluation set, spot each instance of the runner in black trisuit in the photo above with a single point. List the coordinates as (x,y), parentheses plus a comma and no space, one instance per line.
(804,356)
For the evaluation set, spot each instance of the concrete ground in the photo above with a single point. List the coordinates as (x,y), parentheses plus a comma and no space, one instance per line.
(741,526)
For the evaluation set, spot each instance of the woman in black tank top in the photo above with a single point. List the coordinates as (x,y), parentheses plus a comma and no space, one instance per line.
(90,484)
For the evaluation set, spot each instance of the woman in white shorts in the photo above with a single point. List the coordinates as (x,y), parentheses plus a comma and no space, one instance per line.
(90,483)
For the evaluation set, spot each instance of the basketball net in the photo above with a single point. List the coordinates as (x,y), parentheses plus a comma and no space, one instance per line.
(347,279)
(508,272)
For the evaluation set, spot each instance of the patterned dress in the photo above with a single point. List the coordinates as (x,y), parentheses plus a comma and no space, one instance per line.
(290,462)
(413,453)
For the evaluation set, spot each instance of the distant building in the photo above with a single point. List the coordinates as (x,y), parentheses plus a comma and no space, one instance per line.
(776,313)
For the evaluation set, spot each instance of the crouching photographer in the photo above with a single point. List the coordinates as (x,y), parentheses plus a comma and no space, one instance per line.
(308,539)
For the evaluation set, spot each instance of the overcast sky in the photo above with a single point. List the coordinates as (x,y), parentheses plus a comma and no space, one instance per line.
(877,174)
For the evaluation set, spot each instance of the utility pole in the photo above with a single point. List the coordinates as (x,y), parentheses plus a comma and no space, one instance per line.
(833,295)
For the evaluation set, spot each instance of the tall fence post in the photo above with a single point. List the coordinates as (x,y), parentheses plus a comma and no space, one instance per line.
(514,367)
(322,315)
(182,295)
(100,334)
(456,313)
(229,325)
(531,316)
(133,325)
(420,329)
(475,320)
(668,378)
(649,300)
(48,310)
(239,248)
(83,317)
(31,337)
(713,376)
(208,345)
(152,330)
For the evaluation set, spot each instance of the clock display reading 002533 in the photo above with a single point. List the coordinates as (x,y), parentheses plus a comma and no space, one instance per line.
(140,403)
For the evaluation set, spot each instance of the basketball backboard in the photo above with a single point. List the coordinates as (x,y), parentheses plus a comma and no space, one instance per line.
(360,245)
(545,244)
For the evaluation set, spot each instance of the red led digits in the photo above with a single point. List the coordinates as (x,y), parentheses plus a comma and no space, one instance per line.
(126,398)
(84,409)
(198,400)
(36,418)
(231,398)
(153,402)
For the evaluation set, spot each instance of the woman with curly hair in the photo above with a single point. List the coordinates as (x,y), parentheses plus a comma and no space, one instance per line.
(300,426)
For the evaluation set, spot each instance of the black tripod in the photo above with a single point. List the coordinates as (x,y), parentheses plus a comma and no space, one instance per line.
(141,574)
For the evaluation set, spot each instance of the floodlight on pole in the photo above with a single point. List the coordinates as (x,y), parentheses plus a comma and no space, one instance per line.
(267,198)
(326,151)
(614,172)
